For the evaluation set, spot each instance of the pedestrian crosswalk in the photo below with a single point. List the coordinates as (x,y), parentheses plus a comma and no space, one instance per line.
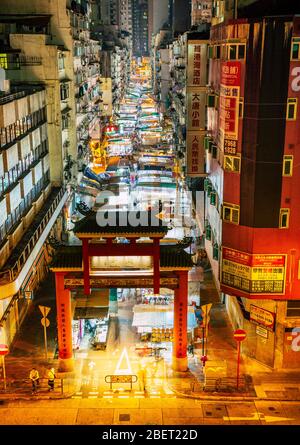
(117,394)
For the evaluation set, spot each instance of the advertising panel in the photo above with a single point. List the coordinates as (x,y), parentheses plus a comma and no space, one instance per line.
(196,73)
(262,317)
(195,154)
(255,274)
(196,110)
(229,105)
(195,107)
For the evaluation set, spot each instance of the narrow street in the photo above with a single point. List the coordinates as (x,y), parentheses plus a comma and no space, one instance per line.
(141,164)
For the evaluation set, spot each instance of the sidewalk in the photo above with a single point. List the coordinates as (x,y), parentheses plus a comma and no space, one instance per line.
(264,382)
(28,351)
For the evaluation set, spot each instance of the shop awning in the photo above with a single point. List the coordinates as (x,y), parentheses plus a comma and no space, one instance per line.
(97,299)
(90,312)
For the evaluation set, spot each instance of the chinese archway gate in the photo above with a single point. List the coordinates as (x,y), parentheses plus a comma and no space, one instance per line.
(72,268)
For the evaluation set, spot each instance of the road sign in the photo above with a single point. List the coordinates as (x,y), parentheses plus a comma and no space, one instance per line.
(44,310)
(205,309)
(45,322)
(205,313)
(239,335)
(4,350)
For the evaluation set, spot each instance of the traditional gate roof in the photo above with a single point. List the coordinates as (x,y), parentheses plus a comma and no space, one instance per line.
(119,225)
(69,258)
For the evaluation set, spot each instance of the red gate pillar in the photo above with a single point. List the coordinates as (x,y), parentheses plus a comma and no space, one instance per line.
(86,266)
(64,324)
(156,260)
(180,362)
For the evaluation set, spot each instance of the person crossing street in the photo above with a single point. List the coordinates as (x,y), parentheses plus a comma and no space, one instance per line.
(35,379)
(51,377)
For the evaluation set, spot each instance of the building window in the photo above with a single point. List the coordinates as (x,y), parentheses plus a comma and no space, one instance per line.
(284,218)
(232,164)
(64,91)
(61,62)
(216,251)
(236,51)
(65,122)
(291,111)
(207,231)
(295,49)
(241,107)
(210,52)
(213,198)
(211,100)
(287,165)
(231,213)
(293,308)
(217,51)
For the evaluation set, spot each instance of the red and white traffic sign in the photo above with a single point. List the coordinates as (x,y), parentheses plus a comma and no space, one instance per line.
(4,350)
(239,335)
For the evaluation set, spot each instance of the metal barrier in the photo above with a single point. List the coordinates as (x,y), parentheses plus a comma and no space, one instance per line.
(121,379)
(224,384)
(24,386)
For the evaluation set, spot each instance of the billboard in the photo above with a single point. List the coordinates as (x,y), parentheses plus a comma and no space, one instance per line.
(195,153)
(195,106)
(254,274)
(196,73)
(262,317)
(229,106)
(196,110)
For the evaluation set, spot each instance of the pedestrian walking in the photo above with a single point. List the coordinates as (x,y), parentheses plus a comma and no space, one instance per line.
(35,379)
(191,349)
(51,377)
(142,378)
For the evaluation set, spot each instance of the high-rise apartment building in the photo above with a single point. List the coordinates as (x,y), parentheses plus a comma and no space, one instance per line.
(47,119)
(30,204)
(181,16)
(252,215)
(201,11)
(140,28)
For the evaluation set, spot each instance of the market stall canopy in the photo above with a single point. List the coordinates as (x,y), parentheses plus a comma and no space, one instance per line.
(159,316)
(92,306)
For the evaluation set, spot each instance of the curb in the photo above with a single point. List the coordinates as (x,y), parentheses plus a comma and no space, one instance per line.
(231,398)
(8,397)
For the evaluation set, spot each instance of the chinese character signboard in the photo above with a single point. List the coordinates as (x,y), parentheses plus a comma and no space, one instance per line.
(196,64)
(231,74)
(195,153)
(196,110)
(195,106)
(262,317)
(254,274)
(229,105)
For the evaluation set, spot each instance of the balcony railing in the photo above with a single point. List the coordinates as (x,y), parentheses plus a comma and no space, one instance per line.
(22,251)
(12,97)
(15,61)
